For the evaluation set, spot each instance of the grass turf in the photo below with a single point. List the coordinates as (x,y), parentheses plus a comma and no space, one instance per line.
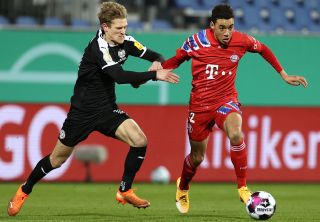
(209,202)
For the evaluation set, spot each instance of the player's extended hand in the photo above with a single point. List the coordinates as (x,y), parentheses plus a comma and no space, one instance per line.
(167,75)
(155,66)
(293,79)
(296,80)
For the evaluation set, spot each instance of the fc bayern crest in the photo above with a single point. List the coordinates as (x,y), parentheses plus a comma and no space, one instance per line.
(121,53)
(234,58)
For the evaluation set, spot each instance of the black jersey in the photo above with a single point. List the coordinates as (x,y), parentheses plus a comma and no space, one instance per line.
(101,67)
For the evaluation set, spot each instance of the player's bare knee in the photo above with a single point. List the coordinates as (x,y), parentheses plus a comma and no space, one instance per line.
(140,141)
(236,137)
(57,162)
(197,159)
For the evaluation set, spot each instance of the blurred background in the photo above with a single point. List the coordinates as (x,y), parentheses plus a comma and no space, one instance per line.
(42,42)
(270,16)
(257,16)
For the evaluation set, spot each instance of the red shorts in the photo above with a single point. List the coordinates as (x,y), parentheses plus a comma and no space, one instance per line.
(200,123)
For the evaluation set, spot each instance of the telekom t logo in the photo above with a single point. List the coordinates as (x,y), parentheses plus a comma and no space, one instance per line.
(212,70)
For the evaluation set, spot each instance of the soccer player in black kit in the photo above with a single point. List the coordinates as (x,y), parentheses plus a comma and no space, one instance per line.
(94,108)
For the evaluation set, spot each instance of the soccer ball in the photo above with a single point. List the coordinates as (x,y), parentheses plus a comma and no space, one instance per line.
(160,175)
(261,205)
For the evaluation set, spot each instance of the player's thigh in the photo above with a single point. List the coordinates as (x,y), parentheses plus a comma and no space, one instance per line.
(233,127)
(228,116)
(77,127)
(110,122)
(200,125)
(60,154)
(233,122)
(130,132)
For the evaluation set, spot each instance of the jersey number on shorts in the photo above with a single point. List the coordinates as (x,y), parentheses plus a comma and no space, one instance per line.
(191,117)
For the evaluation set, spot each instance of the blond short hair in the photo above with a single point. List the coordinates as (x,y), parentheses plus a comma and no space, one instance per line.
(110,11)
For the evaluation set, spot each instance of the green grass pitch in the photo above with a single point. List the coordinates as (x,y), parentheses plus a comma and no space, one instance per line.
(209,202)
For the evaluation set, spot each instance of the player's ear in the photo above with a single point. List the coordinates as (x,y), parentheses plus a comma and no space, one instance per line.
(211,24)
(104,26)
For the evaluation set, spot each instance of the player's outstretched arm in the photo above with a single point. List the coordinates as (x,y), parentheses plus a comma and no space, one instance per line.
(293,79)
(175,61)
(155,66)
(167,75)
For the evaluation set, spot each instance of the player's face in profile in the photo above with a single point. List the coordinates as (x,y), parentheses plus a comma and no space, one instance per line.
(116,31)
(222,30)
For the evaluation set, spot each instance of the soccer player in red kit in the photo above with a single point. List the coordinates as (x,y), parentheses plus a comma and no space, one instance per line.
(215,53)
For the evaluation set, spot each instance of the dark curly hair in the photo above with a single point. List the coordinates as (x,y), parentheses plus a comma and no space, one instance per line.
(222,11)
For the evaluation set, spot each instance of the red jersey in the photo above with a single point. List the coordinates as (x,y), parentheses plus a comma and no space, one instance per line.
(214,68)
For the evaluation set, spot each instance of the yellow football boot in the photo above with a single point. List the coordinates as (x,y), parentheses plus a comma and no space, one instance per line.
(182,199)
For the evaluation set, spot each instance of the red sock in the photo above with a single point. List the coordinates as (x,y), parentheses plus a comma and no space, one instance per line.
(238,155)
(188,171)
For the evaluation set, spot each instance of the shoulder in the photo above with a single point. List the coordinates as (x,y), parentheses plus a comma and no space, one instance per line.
(97,43)
(129,38)
(243,37)
(202,34)
(132,41)
(196,41)
(203,37)
(249,42)
(240,35)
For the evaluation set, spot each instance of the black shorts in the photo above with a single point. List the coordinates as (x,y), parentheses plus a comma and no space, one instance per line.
(78,125)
